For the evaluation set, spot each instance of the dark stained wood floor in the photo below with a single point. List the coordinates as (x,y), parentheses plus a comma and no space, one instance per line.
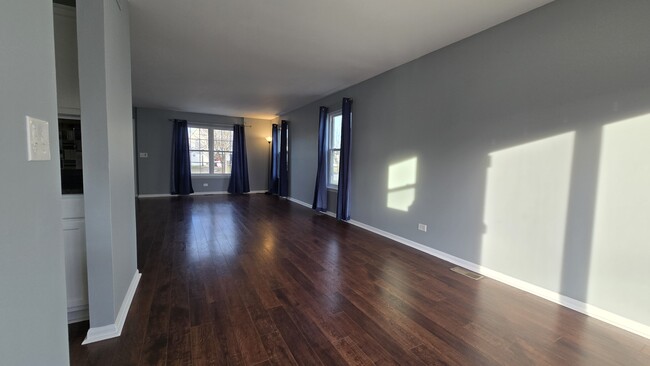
(257,280)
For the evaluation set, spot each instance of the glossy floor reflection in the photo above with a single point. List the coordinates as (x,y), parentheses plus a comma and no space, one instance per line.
(259,280)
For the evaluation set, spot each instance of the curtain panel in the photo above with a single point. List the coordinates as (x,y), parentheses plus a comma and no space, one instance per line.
(343,199)
(239,174)
(283,176)
(181,168)
(275,160)
(320,190)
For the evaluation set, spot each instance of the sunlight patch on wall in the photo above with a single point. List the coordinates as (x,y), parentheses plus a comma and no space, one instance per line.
(402,178)
(620,255)
(526,202)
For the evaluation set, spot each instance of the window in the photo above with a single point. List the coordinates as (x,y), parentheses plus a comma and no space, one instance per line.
(210,150)
(333,148)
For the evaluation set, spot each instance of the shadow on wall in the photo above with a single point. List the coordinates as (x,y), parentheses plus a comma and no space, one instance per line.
(571,213)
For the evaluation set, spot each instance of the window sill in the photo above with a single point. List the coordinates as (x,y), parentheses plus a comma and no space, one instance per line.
(332,189)
(211,176)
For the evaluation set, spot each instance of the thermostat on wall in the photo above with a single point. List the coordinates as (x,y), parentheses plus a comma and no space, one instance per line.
(38,139)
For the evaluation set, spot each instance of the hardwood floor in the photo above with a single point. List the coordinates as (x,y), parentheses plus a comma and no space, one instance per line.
(257,280)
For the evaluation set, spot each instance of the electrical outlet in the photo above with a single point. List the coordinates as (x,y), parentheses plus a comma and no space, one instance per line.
(422,227)
(144,155)
(205,184)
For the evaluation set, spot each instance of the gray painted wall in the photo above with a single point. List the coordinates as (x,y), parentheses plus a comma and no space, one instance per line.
(257,149)
(154,136)
(509,128)
(33,324)
(105,84)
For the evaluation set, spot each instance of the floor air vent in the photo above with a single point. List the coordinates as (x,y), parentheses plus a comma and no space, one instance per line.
(466,273)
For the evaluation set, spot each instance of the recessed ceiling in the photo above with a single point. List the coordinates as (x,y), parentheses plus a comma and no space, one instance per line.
(259,58)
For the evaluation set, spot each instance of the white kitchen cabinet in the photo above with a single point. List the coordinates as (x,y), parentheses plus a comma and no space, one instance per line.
(76,272)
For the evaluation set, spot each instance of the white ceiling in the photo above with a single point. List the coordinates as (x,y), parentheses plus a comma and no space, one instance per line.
(259,58)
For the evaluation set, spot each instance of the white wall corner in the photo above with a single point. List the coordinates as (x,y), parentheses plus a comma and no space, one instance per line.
(573,304)
(114,330)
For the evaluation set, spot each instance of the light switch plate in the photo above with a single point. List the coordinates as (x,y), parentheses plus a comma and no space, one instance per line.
(38,139)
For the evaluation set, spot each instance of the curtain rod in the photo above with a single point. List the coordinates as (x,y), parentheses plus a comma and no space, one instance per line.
(336,107)
(208,123)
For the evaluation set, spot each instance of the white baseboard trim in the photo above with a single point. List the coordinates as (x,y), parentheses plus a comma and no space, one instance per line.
(126,303)
(208,193)
(153,195)
(114,330)
(193,194)
(77,313)
(328,213)
(579,306)
(76,304)
(101,333)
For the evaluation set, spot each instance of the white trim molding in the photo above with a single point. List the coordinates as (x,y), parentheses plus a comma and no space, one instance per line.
(77,313)
(101,333)
(114,330)
(193,194)
(573,304)
(328,213)
(208,193)
(153,195)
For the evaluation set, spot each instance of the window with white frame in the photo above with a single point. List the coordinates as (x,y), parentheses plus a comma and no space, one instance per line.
(210,150)
(334,120)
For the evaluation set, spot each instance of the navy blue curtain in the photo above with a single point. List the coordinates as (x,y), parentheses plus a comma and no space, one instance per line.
(275,160)
(320,191)
(283,184)
(181,177)
(239,173)
(343,202)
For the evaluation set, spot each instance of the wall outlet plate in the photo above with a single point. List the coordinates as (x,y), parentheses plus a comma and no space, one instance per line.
(38,139)
(422,227)
(144,155)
